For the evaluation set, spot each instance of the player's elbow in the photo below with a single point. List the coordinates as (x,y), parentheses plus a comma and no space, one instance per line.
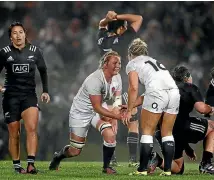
(133,88)
(97,108)
(202,108)
(140,18)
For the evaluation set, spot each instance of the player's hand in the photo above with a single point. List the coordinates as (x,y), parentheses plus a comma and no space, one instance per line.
(111,15)
(123,106)
(2,89)
(45,97)
(192,156)
(126,118)
(212,112)
(114,126)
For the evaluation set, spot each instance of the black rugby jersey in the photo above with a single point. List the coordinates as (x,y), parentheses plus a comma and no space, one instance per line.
(209,99)
(190,94)
(20,68)
(118,43)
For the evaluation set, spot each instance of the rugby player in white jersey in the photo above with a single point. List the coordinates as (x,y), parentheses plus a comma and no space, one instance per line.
(161,99)
(89,108)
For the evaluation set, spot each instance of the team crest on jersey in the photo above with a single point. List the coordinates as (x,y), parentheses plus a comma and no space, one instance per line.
(21,68)
(113,89)
(30,58)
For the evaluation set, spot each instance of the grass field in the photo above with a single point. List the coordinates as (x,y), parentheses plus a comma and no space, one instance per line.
(91,170)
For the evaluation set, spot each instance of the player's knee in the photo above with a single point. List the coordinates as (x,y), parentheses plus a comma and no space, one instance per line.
(14,136)
(104,127)
(109,143)
(75,147)
(108,135)
(180,171)
(133,126)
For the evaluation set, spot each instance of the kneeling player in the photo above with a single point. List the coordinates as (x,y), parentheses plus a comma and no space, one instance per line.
(189,129)
(89,108)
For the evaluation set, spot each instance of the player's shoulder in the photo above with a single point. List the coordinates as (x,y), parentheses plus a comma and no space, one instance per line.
(33,48)
(96,76)
(190,86)
(5,49)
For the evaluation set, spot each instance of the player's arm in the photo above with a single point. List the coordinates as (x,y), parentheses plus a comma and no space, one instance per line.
(41,66)
(132,90)
(96,101)
(199,105)
(134,20)
(2,64)
(94,88)
(133,85)
(109,17)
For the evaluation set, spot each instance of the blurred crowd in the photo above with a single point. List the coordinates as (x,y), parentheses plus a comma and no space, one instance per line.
(176,33)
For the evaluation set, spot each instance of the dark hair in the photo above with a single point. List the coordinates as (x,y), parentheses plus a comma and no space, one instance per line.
(114,25)
(16,23)
(179,73)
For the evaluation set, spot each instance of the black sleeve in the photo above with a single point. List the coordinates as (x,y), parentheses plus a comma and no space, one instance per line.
(101,33)
(196,94)
(42,70)
(209,99)
(188,149)
(2,60)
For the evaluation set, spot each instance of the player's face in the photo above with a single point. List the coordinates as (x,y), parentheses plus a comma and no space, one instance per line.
(189,80)
(18,36)
(114,65)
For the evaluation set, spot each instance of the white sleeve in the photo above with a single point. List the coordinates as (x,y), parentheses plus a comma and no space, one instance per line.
(131,66)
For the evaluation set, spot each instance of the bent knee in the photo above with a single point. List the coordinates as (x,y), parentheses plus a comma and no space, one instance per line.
(109,136)
(109,143)
(75,147)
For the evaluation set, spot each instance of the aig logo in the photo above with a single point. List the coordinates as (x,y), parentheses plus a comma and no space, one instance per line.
(21,68)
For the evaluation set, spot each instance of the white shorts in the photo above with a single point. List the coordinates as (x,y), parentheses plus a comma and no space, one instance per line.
(162,101)
(79,122)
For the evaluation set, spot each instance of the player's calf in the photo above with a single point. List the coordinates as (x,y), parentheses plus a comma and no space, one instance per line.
(74,149)
(109,145)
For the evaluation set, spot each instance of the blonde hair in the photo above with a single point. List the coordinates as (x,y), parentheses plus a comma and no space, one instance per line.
(138,47)
(105,58)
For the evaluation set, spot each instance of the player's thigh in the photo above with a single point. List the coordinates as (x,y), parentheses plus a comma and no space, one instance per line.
(152,109)
(29,111)
(167,124)
(28,101)
(210,126)
(174,101)
(149,121)
(197,129)
(104,127)
(79,125)
(11,108)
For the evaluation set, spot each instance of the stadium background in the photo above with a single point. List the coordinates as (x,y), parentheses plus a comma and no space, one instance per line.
(176,32)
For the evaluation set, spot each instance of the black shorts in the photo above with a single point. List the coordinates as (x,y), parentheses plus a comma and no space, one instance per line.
(14,105)
(195,132)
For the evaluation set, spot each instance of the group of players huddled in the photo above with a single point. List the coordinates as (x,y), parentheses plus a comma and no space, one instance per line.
(167,102)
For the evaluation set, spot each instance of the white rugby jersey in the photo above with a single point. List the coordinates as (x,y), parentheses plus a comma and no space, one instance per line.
(95,84)
(151,73)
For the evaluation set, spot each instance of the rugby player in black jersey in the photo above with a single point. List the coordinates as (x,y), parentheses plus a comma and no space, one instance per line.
(188,129)
(209,99)
(116,31)
(20,60)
